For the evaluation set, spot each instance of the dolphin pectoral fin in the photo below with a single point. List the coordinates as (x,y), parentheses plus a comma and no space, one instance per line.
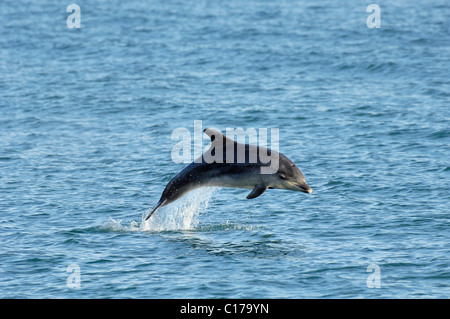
(160,203)
(258,190)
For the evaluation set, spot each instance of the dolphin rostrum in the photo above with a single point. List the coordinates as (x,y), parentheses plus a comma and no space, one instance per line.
(230,164)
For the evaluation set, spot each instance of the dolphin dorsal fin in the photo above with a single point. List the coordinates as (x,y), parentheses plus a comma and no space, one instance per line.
(219,144)
(216,136)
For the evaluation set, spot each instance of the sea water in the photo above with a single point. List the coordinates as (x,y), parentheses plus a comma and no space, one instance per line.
(86,117)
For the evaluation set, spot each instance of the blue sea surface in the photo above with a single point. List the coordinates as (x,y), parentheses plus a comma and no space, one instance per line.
(87,115)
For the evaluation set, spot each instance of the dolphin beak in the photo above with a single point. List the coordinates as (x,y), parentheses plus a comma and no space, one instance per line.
(302,187)
(306,189)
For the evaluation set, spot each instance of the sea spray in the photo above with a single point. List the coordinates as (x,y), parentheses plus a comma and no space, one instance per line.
(116,226)
(180,215)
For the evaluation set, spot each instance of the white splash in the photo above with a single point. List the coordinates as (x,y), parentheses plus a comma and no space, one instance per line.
(180,215)
(116,225)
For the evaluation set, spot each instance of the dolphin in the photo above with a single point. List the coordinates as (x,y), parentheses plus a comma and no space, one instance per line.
(230,164)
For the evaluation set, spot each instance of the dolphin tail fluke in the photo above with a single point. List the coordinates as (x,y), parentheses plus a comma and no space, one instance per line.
(160,203)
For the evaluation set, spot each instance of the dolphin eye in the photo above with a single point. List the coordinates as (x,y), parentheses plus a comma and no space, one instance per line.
(282,176)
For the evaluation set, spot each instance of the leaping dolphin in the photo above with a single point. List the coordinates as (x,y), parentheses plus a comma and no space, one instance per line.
(231,164)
